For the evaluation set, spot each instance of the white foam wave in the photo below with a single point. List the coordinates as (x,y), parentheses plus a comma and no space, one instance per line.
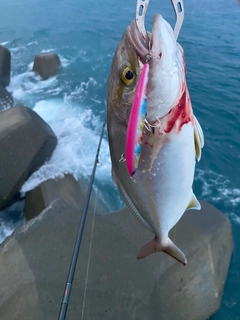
(30,66)
(96,101)
(4,43)
(10,221)
(77,130)
(28,83)
(47,50)
(6,231)
(235,218)
(80,90)
(218,190)
(31,43)
(64,62)
(16,49)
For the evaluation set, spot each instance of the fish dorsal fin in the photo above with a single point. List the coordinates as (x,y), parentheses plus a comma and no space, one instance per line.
(198,139)
(194,203)
(131,206)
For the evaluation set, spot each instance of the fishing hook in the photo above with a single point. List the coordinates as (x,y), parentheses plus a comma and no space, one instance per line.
(179,14)
(141,10)
(122,159)
(147,125)
(148,57)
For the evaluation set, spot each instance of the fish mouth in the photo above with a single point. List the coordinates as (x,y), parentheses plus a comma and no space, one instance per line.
(138,42)
(166,72)
(162,37)
(166,69)
(157,41)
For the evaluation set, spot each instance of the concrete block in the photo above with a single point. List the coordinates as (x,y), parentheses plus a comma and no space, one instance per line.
(26,142)
(40,198)
(119,286)
(46,64)
(5,66)
(6,99)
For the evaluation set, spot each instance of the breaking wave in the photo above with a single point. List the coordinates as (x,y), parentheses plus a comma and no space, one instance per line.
(77,130)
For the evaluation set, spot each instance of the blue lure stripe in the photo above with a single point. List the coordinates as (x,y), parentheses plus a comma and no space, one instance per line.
(142,115)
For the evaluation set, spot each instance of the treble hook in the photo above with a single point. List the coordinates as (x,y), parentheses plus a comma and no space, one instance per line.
(141,10)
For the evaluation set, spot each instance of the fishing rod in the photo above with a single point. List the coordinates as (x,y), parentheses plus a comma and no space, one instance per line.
(68,286)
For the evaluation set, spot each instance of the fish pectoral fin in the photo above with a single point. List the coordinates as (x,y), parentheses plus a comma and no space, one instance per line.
(198,139)
(194,203)
(170,248)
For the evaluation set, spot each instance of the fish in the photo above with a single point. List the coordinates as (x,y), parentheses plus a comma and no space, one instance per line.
(160,190)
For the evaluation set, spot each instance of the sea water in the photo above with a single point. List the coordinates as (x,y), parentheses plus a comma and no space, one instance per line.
(85,34)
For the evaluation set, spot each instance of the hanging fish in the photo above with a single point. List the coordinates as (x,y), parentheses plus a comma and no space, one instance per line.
(161,188)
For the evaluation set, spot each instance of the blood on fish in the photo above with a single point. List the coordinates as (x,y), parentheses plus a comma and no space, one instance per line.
(148,144)
(180,114)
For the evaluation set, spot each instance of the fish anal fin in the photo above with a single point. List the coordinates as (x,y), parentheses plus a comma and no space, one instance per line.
(198,139)
(129,203)
(194,203)
(170,248)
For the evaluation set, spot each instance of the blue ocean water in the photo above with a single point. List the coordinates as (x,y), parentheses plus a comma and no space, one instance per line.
(85,34)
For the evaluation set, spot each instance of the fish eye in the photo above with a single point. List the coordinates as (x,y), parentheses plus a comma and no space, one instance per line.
(128,75)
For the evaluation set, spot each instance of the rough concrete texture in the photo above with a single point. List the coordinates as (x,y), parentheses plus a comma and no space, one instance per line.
(26,142)
(6,99)
(34,263)
(42,196)
(5,66)
(46,64)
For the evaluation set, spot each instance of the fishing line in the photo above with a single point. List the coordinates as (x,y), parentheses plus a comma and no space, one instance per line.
(148,126)
(68,286)
(89,254)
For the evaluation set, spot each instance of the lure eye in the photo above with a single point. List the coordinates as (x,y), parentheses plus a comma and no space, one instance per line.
(128,75)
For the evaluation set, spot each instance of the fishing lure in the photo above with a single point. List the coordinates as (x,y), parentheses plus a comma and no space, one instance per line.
(136,123)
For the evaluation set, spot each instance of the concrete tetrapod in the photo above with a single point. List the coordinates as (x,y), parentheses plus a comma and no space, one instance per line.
(46,64)
(119,286)
(5,66)
(26,142)
(40,198)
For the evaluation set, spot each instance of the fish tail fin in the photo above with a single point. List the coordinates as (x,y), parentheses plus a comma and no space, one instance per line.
(175,252)
(170,248)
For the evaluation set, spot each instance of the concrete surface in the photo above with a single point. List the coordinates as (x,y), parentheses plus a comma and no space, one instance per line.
(42,196)
(46,64)
(34,264)
(6,99)
(26,142)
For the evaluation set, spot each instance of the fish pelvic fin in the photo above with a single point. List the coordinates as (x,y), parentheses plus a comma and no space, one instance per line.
(194,203)
(170,248)
(198,139)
